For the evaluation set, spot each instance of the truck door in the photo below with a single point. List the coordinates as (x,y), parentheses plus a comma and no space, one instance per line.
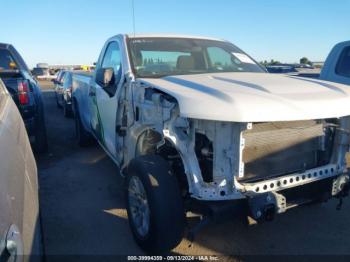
(105,99)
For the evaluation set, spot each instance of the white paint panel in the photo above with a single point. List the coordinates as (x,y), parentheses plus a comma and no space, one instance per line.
(108,111)
(255,97)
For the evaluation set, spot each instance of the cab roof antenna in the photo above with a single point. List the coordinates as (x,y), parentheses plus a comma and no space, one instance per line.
(133,16)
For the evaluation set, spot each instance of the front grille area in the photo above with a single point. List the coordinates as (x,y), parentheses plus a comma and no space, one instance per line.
(278,148)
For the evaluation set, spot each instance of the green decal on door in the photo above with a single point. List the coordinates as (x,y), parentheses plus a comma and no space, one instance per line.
(99,132)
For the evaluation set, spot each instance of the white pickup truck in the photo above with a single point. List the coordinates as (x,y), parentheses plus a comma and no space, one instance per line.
(195,124)
(337,65)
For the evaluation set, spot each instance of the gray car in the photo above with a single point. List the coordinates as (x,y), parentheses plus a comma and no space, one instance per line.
(20,232)
(63,89)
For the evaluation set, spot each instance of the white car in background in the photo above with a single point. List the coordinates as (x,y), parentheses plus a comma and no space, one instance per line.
(42,72)
(20,232)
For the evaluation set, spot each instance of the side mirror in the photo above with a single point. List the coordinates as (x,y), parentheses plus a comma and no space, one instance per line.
(105,77)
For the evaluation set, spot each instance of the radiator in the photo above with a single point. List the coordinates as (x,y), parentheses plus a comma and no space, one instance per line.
(278,148)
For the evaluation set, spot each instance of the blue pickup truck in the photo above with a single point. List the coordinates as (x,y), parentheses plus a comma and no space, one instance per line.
(26,93)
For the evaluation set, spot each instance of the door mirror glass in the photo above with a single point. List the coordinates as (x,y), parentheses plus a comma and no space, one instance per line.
(105,77)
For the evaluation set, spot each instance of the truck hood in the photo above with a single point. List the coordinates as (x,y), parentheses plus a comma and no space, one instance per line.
(254,97)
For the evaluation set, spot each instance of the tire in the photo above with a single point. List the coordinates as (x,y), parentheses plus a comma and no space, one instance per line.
(166,216)
(83,137)
(67,112)
(57,103)
(40,145)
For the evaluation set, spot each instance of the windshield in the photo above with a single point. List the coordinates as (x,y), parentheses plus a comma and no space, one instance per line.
(158,57)
(6,60)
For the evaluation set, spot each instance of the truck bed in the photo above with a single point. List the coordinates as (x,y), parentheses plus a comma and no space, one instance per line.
(80,94)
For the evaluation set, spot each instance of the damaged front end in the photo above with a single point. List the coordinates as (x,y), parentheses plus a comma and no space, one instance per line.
(274,165)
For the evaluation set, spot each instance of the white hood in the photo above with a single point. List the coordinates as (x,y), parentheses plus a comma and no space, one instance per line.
(255,97)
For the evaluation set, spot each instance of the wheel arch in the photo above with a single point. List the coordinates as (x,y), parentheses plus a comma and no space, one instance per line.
(152,142)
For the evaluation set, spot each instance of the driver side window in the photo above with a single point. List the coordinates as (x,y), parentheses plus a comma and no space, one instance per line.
(112,57)
(110,70)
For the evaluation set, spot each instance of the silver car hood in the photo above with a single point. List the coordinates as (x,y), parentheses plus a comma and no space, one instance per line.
(254,97)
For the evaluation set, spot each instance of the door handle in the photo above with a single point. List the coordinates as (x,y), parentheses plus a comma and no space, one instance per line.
(92,93)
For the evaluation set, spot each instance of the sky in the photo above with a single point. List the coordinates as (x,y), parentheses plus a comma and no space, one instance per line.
(74,31)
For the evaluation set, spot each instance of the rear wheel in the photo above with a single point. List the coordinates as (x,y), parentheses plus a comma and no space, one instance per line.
(154,204)
(67,112)
(57,103)
(83,137)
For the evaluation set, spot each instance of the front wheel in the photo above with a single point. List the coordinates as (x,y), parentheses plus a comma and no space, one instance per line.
(154,204)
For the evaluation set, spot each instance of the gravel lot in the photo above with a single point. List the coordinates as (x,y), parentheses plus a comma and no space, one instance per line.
(83,210)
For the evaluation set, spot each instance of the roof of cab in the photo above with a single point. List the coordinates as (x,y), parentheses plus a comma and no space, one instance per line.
(4,46)
(342,44)
(163,35)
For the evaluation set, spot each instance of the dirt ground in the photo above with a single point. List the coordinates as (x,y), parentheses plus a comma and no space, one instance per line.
(83,211)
